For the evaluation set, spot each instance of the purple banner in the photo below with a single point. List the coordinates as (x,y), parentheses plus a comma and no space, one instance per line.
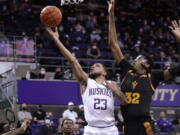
(61,92)
(167,95)
(48,92)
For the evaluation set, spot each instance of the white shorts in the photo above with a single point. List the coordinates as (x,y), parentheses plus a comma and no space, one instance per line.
(112,130)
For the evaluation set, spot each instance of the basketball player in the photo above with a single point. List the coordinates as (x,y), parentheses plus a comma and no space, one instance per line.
(98,100)
(139,82)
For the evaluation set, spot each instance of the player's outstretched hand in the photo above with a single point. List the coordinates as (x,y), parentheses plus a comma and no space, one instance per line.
(111,5)
(111,85)
(175,28)
(52,33)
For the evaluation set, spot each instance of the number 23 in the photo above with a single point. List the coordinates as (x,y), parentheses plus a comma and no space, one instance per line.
(100,104)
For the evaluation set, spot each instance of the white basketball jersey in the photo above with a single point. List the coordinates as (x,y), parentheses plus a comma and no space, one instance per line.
(98,104)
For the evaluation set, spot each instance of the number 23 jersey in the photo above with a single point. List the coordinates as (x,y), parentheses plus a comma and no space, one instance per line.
(98,105)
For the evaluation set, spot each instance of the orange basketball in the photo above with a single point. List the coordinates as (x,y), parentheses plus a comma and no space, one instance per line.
(51,16)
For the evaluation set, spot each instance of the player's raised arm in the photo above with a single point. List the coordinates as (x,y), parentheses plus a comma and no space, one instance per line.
(76,67)
(175,29)
(113,42)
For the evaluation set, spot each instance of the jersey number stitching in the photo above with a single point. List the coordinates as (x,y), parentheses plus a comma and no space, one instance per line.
(132,98)
(100,104)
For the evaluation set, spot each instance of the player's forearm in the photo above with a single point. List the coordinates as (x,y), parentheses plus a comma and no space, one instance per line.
(113,42)
(112,28)
(64,51)
(76,67)
(121,97)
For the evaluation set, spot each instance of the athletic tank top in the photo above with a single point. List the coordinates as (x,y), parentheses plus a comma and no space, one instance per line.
(98,105)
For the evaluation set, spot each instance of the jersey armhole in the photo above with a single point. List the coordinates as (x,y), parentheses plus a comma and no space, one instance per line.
(126,76)
(83,86)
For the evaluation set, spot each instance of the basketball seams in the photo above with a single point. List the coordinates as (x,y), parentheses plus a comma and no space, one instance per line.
(51,19)
(51,16)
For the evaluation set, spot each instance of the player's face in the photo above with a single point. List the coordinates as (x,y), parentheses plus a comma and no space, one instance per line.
(67,126)
(139,61)
(98,69)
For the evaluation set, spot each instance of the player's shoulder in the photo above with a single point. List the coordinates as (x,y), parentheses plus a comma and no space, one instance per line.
(90,80)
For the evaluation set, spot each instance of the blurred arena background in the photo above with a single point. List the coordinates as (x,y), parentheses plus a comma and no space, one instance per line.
(32,70)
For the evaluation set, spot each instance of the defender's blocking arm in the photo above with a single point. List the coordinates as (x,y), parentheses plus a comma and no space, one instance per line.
(113,42)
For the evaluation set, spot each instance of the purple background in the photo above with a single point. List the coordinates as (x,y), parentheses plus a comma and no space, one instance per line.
(166,101)
(61,92)
(48,92)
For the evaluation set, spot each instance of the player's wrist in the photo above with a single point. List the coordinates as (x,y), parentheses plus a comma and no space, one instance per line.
(111,13)
(116,91)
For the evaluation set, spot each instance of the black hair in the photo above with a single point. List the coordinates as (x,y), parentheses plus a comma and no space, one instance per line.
(105,68)
(64,121)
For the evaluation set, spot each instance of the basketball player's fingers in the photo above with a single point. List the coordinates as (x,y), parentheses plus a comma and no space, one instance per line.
(179,22)
(107,84)
(48,29)
(56,29)
(104,83)
(173,25)
(171,28)
(176,24)
(113,82)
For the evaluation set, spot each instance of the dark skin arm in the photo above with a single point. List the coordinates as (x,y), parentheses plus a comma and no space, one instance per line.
(117,92)
(113,42)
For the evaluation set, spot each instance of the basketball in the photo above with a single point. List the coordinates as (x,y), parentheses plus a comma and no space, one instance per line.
(51,16)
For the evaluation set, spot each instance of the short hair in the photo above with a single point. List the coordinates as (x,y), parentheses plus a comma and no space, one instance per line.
(65,120)
(105,68)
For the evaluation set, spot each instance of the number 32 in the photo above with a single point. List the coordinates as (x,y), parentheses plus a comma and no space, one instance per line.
(132,98)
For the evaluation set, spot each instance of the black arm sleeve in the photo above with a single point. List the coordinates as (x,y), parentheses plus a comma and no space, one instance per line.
(157,76)
(124,66)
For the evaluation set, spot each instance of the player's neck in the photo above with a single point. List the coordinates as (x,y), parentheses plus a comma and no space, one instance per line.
(100,79)
(141,72)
